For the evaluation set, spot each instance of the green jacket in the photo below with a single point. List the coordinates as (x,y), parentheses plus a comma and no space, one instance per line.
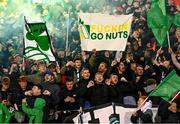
(35,114)
(5,115)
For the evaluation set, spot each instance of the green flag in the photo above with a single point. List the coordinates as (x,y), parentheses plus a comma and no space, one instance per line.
(176,20)
(168,86)
(37,42)
(158,21)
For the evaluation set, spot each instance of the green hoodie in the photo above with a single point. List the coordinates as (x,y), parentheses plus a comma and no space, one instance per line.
(5,115)
(35,114)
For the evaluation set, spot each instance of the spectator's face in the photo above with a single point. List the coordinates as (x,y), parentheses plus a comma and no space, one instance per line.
(166,64)
(42,68)
(86,74)
(61,54)
(78,63)
(173,107)
(34,67)
(70,85)
(130,56)
(102,67)
(99,78)
(36,91)
(121,67)
(106,54)
(139,70)
(18,59)
(5,87)
(136,4)
(48,77)
(114,79)
(136,34)
(23,85)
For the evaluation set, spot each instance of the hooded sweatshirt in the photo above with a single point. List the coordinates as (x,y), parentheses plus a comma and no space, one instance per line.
(36,113)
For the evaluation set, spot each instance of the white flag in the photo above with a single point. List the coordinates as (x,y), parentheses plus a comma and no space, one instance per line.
(37,44)
(104,32)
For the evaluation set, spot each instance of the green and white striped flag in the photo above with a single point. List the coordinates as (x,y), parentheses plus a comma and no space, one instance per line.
(37,44)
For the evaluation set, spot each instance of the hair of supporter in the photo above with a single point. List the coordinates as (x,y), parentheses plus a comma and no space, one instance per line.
(5,81)
(83,69)
(39,87)
(104,64)
(98,73)
(143,97)
(41,64)
(52,66)
(22,79)
(151,81)
(70,80)
(113,74)
(139,65)
(77,58)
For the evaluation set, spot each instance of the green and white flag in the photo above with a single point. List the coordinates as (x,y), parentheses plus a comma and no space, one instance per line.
(37,44)
(104,32)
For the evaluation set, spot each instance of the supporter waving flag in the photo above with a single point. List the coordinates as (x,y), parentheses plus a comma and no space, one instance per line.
(169,86)
(37,44)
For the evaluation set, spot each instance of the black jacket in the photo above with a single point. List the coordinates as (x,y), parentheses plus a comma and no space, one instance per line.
(166,115)
(68,105)
(98,94)
(141,117)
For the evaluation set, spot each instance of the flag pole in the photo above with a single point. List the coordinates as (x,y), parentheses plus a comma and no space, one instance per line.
(168,40)
(67,33)
(174,97)
(54,53)
(143,103)
(23,61)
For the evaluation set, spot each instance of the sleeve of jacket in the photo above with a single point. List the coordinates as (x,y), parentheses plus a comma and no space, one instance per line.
(58,78)
(163,109)
(7,113)
(145,117)
(92,60)
(63,69)
(55,95)
(134,119)
(30,111)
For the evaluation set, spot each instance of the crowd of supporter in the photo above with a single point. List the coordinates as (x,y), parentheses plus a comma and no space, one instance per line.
(49,92)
